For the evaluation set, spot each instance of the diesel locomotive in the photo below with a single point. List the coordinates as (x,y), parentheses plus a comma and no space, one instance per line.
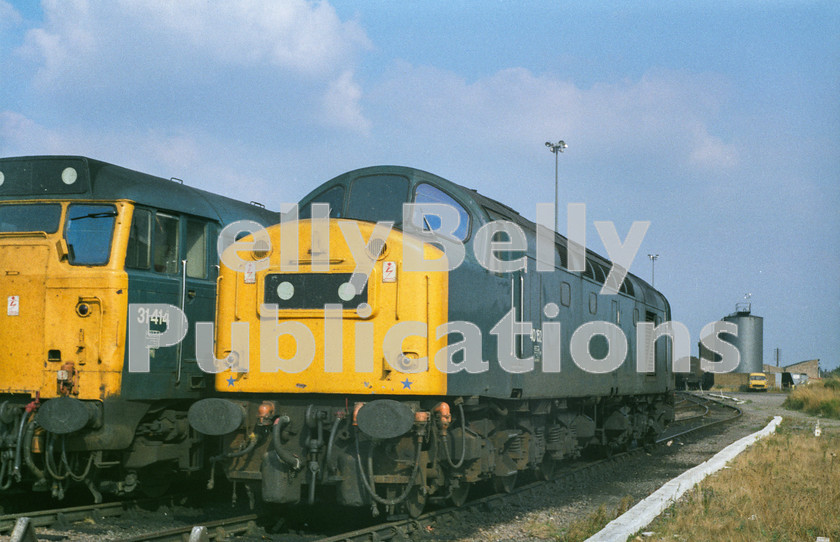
(80,242)
(363,358)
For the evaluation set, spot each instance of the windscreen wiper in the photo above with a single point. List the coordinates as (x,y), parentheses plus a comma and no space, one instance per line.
(104,214)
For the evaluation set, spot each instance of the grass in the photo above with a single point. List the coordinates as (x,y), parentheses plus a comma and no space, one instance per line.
(581,529)
(784,488)
(820,398)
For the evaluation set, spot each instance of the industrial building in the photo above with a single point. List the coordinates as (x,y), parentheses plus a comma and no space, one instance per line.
(809,368)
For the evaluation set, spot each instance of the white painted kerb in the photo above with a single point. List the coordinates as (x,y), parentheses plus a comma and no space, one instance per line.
(647,510)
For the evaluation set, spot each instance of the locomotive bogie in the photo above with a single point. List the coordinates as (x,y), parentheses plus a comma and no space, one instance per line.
(311,448)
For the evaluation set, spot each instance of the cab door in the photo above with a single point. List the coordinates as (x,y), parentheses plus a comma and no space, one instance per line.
(198,294)
(153,265)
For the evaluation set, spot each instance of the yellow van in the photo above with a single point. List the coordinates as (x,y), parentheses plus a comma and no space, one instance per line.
(757,382)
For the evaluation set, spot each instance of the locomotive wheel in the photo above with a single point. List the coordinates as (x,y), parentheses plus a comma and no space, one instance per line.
(458,495)
(155,481)
(504,484)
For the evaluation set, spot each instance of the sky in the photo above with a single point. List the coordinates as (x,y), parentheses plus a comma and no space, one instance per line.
(717,122)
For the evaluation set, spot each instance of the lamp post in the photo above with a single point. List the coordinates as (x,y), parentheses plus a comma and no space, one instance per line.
(653,258)
(556,148)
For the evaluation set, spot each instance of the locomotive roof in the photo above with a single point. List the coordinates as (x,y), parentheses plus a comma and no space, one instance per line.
(39,177)
(477,204)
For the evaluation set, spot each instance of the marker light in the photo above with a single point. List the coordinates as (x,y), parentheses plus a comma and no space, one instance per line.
(69,175)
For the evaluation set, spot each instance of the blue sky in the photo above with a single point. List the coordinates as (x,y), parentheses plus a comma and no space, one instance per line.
(718,122)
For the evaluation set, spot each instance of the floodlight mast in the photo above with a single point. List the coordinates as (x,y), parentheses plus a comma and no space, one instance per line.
(556,148)
(653,258)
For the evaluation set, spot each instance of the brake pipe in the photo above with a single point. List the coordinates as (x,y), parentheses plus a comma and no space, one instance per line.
(408,486)
(19,445)
(28,435)
(252,443)
(283,455)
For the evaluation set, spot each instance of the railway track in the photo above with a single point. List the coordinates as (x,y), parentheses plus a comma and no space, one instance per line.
(63,518)
(709,413)
(215,530)
(688,408)
(709,417)
(66,516)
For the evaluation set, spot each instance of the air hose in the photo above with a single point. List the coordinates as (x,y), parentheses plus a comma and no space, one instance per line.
(463,441)
(369,488)
(283,455)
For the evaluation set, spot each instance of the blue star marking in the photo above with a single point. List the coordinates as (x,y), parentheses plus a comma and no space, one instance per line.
(230,381)
(406,383)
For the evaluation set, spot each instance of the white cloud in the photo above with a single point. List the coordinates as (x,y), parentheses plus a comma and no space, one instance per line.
(664,114)
(82,38)
(179,152)
(341,104)
(20,135)
(188,60)
(9,16)
(711,153)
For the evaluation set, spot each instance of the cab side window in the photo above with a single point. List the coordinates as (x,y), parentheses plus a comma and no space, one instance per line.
(426,193)
(166,244)
(196,249)
(139,240)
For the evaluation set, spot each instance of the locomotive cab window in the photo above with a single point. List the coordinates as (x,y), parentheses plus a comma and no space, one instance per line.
(378,198)
(426,193)
(196,249)
(139,240)
(30,217)
(88,231)
(334,197)
(166,244)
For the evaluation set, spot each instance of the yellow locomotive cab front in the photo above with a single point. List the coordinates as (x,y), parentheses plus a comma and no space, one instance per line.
(65,297)
(380,340)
